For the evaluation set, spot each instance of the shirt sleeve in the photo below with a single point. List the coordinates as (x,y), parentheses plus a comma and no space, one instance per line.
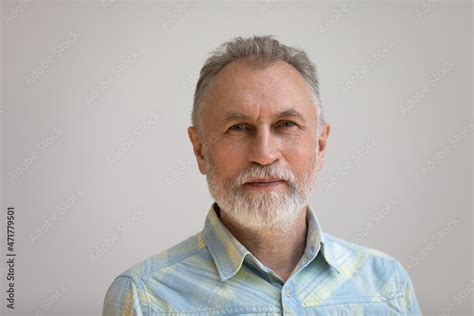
(409,297)
(122,298)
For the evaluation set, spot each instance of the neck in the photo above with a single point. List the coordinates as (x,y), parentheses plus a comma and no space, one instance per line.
(277,249)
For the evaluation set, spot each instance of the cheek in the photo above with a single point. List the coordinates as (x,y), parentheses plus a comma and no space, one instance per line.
(301,158)
(229,161)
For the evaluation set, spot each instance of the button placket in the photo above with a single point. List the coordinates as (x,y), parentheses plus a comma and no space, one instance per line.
(289,301)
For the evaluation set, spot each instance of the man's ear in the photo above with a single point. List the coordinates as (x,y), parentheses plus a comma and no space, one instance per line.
(197,148)
(322,142)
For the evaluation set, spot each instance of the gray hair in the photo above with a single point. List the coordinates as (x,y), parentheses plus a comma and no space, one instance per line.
(259,51)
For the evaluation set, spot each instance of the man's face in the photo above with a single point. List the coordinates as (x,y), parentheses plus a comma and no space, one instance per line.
(260,149)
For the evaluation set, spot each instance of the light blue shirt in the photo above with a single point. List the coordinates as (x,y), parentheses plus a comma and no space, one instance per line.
(212,273)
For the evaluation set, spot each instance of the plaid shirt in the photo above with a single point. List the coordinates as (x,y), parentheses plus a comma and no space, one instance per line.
(212,273)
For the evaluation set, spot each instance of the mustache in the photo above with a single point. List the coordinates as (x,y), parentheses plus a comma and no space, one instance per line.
(269,171)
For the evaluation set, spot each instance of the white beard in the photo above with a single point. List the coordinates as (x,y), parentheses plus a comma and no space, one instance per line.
(261,210)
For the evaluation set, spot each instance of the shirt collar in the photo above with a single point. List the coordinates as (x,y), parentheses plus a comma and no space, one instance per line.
(316,242)
(228,253)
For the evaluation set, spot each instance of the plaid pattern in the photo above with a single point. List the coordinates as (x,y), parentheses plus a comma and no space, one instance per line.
(212,273)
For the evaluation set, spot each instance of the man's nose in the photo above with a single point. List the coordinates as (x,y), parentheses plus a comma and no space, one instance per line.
(264,148)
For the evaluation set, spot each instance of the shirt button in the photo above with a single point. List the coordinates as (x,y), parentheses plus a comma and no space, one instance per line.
(312,248)
(287,292)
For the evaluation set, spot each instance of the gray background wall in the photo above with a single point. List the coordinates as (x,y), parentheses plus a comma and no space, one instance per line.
(96,99)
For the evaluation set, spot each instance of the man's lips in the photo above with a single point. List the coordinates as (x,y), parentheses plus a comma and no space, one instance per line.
(264,183)
(264,180)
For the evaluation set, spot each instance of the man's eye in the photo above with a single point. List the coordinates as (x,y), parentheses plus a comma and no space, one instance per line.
(286,124)
(238,127)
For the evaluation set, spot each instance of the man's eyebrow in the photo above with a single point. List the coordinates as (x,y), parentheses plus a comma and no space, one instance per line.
(291,112)
(233,116)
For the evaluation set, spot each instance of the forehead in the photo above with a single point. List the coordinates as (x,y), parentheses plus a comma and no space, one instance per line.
(258,92)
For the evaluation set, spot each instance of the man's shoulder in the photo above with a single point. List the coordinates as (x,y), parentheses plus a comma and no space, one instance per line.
(166,259)
(361,259)
(376,273)
(342,245)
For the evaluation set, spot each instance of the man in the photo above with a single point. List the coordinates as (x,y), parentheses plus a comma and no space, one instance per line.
(259,135)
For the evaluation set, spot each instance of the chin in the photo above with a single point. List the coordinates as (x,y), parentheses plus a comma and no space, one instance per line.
(264,219)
